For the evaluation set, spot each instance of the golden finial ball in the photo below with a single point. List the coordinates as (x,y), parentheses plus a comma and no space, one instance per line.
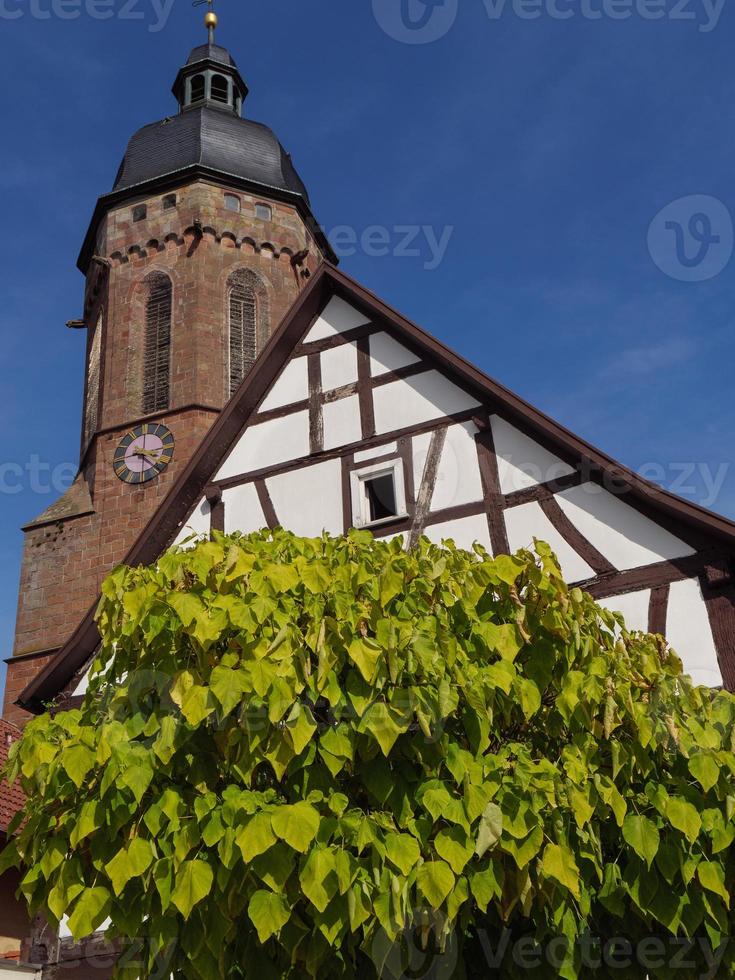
(210,19)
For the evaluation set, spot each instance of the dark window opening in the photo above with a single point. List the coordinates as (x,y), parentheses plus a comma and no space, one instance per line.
(243,333)
(197,89)
(220,89)
(381,497)
(157,353)
(140,212)
(263,211)
(169,202)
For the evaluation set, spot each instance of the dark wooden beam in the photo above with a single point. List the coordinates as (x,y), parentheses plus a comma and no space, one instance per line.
(494,499)
(646,577)
(269,511)
(542,491)
(316,414)
(574,537)
(338,340)
(658,609)
(720,602)
(365,388)
(428,484)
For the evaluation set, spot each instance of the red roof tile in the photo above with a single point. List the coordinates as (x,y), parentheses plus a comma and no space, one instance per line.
(11,798)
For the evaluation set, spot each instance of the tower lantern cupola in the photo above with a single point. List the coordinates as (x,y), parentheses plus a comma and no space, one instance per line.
(210,78)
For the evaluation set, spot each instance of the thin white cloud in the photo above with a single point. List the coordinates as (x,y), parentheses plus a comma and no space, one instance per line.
(652,358)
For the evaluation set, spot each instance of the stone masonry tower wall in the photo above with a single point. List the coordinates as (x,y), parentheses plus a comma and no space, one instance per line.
(204,231)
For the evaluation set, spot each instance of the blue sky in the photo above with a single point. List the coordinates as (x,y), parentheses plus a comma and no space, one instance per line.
(539,148)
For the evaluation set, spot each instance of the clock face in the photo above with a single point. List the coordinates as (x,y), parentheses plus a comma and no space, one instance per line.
(145,452)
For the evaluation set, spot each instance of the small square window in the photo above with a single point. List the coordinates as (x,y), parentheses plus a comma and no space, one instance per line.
(264,212)
(232,202)
(140,212)
(169,202)
(378,494)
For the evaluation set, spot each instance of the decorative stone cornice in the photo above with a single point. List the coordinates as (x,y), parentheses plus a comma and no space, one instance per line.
(142,250)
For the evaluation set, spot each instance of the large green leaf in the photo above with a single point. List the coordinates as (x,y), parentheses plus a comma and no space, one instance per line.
(684,817)
(301,727)
(558,863)
(91,910)
(256,836)
(269,913)
(712,877)
(91,817)
(318,877)
(643,836)
(227,686)
(297,825)
(365,654)
(77,760)
(435,881)
(455,846)
(705,770)
(384,723)
(197,705)
(403,850)
(490,829)
(192,885)
(130,862)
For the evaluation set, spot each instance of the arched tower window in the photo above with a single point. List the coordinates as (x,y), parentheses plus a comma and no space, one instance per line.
(198,86)
(157,346)
(248,323)
(92,402)
(243,332)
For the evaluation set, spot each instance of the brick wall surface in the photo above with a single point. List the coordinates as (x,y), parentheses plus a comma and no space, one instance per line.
(199,244)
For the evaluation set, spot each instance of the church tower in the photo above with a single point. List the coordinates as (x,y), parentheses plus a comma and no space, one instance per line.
(192,260)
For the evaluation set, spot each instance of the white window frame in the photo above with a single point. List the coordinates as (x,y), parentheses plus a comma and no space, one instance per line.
(360,501)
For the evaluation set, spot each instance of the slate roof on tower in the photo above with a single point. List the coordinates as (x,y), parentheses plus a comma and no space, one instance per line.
(211,52)
(211,135)
(210,138)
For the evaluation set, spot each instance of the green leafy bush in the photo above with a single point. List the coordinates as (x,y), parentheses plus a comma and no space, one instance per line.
(293,750)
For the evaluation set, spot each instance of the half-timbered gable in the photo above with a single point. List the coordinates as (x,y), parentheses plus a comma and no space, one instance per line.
(354,417)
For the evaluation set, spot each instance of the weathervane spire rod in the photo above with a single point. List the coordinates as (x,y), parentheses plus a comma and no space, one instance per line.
(210,18)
